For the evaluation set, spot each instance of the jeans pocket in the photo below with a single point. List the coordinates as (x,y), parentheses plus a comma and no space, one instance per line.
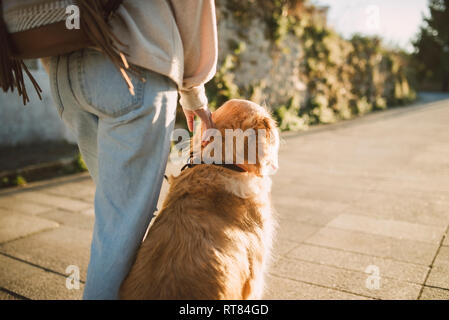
(102,87)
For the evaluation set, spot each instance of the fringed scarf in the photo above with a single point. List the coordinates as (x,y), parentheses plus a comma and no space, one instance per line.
(94,16)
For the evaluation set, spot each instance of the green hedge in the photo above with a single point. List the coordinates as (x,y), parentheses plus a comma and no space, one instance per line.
(344,78)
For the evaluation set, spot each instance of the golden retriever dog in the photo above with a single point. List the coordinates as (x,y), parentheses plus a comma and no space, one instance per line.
(213,235)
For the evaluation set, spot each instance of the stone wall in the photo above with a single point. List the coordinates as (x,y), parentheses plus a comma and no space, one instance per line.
(303,71)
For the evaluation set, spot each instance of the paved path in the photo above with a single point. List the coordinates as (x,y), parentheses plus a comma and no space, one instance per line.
(369,195)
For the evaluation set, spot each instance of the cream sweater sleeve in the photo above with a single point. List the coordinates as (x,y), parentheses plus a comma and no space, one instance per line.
(197,26)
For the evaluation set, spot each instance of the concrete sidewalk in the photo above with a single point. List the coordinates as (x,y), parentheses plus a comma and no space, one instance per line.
(363,212)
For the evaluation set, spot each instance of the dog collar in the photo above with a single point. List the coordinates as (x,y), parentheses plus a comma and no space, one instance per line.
(230,166)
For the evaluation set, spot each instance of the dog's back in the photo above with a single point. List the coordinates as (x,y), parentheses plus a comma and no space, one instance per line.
(206,243)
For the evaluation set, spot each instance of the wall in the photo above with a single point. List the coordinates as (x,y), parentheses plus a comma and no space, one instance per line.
(281,54)
(37,121)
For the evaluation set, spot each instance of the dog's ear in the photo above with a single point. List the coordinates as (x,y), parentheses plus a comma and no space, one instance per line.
(269,158)
(269,123)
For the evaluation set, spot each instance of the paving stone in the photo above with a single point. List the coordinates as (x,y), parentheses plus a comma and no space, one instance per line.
(359,262)
(282,246)
(7,296)
(340,279)
(325,174)
(430,178)
(442,258)
(315,192)
(34,283)
(79,190)
(389,228)
(12,204)
(55,249)
(294,231)
(446,240)
(434,294)
(71,219)
(285,289)
(402,208)
(14,226)
(384,247)
(400,185)
(54,201)
(309,211)
(439,275)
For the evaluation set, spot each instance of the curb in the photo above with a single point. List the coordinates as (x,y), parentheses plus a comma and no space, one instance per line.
(38,172)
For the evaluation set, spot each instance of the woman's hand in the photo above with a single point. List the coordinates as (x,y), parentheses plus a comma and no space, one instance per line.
(203,113)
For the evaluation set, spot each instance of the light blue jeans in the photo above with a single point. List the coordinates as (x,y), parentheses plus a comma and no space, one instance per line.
(125,142)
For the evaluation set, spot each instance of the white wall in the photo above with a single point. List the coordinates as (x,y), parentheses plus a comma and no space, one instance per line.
(37,121)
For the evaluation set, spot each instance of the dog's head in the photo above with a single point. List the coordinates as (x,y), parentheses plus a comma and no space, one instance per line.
(249,136)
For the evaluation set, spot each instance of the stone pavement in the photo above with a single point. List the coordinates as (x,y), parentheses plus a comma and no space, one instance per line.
(363,210)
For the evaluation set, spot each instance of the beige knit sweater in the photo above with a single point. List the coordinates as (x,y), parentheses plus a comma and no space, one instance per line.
(177,38)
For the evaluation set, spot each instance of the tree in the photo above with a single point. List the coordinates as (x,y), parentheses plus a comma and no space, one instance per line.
(432,45)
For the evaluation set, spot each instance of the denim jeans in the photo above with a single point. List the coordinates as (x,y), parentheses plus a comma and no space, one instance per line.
(125,142)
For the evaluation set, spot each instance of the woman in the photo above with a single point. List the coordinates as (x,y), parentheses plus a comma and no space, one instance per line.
(125,138)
